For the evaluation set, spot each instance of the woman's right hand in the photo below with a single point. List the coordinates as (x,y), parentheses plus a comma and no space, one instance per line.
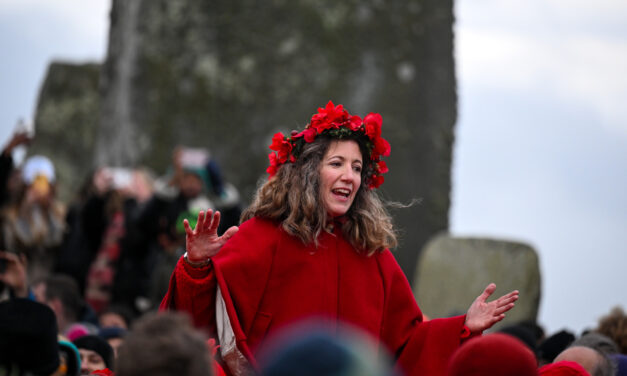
(203,241)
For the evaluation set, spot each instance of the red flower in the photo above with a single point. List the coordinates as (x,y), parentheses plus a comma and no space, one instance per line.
(372,123)
(376,181)
(381,148)
(272,169)
(277,141)
(309,134)
(382,167)
(354,122)
(282,146)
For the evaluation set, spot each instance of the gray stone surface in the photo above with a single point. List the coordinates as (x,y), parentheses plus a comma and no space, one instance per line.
(454,271)
(66,121)
(228,74)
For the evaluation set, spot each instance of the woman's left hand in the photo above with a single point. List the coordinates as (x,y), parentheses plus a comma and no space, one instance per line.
(482,315)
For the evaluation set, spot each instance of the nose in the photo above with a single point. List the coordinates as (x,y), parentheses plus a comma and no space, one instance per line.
(349,175)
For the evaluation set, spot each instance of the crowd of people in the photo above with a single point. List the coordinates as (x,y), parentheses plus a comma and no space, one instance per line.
(304,285)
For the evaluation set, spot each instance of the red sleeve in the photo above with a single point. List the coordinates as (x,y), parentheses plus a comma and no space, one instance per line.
(420,348)
(192,290)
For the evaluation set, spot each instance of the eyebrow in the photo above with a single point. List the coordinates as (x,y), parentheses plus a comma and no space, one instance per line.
(342,158)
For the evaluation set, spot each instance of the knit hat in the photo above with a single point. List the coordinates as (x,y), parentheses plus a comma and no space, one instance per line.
(310,348)
(112,332)
(554,345)
(28,336)
(71,357)
(98,345)
(563,368)
(494,354)
(35,166)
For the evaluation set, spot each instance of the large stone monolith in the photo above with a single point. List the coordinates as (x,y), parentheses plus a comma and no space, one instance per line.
(454,271)
(66,121)
(228,74)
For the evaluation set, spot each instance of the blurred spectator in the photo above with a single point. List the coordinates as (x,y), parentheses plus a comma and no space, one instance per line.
(28,338)
(8,175)
(522,333)
(95,352)
(597,341)
(621,364)
(35,223)
(614,325)
(13,275)
(595,362)
(60,293)
(70,359)
(115,316)
(553,345)
(114,337)
(156,239)
(164,344)
(311,348)
(494,354)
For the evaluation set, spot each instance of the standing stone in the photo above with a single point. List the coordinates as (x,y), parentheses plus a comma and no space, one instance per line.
(454,271)
(229,74)
(66,121)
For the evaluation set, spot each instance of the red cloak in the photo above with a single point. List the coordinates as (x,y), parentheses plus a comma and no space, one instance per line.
(264,279)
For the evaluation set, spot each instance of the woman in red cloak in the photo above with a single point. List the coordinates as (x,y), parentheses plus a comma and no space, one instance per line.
(315,242)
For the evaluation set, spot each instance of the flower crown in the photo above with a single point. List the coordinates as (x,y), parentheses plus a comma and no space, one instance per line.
(335,122)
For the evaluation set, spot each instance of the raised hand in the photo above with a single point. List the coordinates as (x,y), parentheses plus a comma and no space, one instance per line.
(482,315)
(203,241)
(14,275)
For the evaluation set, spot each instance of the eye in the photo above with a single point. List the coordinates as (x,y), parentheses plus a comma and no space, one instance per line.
(335,163)
(357,168)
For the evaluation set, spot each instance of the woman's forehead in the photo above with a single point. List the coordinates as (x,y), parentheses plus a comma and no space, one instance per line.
(344,148)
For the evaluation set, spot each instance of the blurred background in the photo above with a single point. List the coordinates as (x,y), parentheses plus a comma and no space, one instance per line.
(540,145)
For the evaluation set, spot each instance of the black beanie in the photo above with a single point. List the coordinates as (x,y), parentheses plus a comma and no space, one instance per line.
(97,344)
(27,328)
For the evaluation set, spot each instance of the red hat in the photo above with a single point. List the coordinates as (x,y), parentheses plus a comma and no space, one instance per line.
(563,368)
(494,354)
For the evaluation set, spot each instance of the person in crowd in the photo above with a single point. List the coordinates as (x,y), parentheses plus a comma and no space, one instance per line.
(114,337)
(497,354)
(116,316)
(309,348)
(60,293)
(96,354)
(553,345)
(164,344)
(614,325)
(35,224)
(595,362)
(152,238)
(316,241)
(13,275)
(9,176)
(523,333)
(28,338)
(598,342)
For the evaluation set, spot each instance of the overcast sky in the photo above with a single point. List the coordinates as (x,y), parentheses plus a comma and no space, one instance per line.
(541,148)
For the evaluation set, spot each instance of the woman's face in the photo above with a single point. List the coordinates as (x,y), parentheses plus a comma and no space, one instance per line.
(340,176)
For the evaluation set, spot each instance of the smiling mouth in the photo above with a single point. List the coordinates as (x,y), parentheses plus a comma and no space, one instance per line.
(341,192)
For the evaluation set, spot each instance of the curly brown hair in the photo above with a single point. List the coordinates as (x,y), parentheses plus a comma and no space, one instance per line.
(614,325)
(293,198)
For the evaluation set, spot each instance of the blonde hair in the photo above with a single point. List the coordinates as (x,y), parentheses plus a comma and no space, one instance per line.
(293,198)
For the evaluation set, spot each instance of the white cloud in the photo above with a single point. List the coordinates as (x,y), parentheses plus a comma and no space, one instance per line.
(582,69)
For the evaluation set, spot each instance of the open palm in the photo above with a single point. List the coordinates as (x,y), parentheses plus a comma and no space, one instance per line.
(483,314)
(203,241)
